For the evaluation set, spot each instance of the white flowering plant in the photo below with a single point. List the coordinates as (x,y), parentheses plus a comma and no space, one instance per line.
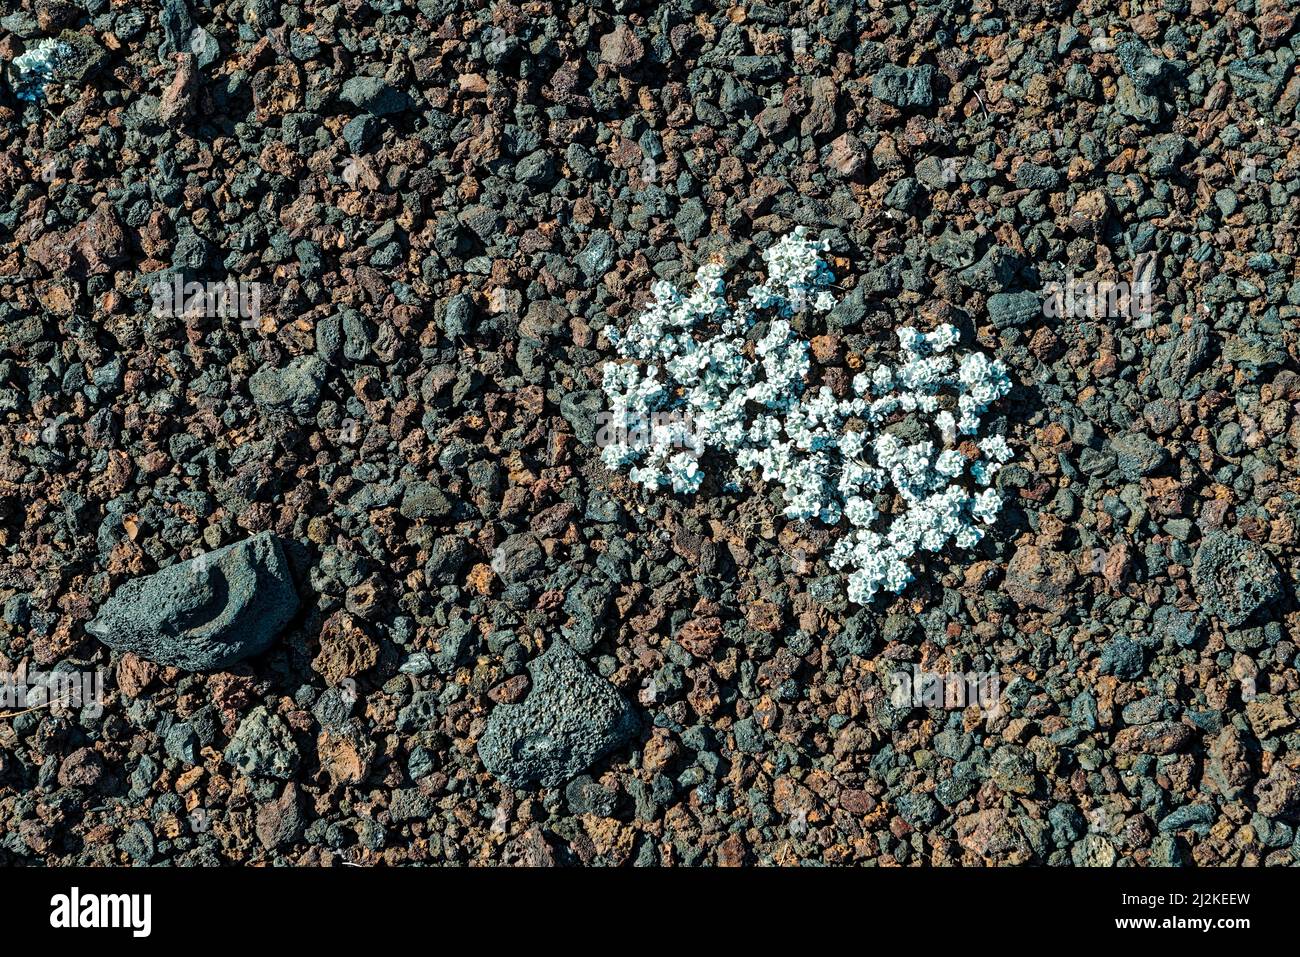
(37,67)
(690,389)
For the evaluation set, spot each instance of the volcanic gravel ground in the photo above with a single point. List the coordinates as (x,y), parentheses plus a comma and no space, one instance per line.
(498,651)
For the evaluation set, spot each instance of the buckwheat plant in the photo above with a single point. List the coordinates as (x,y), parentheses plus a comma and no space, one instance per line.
(688,355)
(37,67)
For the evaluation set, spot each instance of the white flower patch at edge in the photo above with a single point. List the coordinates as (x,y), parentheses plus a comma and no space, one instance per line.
(686,355)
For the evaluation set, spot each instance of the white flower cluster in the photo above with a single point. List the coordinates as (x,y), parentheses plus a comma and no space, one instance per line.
(832,458)
(37,67)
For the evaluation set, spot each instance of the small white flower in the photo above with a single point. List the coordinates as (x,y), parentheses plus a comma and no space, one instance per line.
(950,463)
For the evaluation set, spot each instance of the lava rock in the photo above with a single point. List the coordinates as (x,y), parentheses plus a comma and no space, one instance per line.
(263,746)
(582,410)
(360,132)
(206,613)
(1184,627)
(374,96)
(458,317)
(621,48)
(1040,578)
(919,809)
(1159,737)
(596,257)
(1137,455)
(904,86)
(1279,793)
(847,156)
(570,719)
(517,558)
(279,822)
(424,500)
(1234,578)
(1123,658)
(1013,309)
(295,388)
